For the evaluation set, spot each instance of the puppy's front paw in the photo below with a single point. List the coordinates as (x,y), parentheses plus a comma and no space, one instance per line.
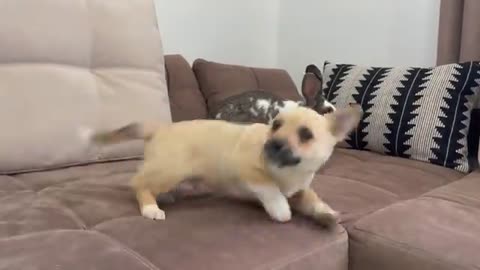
(152,211)
(274,202)
(281,214)
(278,209)
(327,219)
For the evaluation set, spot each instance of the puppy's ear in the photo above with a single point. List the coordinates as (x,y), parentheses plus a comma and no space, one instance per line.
(344,120)
(311,85)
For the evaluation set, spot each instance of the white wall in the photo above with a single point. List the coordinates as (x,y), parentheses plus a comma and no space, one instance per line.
(238,32)
(291,34)
(370,32)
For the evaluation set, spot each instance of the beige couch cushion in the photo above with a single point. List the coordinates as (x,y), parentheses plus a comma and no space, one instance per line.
(68,68)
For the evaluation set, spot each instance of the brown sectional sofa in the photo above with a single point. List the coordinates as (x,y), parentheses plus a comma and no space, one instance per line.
(396,213)
(399,214)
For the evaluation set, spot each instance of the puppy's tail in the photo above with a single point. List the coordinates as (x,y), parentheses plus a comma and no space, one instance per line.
(133,131)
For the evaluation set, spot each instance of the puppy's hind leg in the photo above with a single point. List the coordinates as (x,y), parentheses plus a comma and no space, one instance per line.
(148,184)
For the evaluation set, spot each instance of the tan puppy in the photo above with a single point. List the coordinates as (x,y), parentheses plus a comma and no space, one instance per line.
(273,164)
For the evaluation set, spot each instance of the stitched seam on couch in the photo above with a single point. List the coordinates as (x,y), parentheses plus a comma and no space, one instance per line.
(451,201)
(363,183)
(128,250)
(72,164)
(113,220)
(406,248)
(74,180)
(282,263)
(105,237)
(69,212)
(406,165)
(17,182)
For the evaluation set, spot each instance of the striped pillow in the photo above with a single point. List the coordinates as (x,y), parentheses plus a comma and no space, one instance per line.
(410,112)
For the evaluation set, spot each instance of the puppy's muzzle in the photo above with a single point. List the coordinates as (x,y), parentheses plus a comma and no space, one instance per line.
(279,152)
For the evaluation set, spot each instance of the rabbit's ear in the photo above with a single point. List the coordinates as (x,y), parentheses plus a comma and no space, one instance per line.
(315,70)
(311,85)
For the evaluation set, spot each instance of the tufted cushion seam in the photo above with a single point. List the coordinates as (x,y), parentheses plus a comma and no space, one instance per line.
(286,262)
(72,164)
(380,240)
(128,250)
(363,183)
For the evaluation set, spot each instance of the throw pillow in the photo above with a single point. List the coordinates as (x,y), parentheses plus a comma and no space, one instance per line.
(410,112)
(474,138)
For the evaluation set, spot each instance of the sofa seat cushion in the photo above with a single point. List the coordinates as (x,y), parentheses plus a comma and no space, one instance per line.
(440,230)
(359,182)
(201,231)
(68,249)
(72,198)
(211,233)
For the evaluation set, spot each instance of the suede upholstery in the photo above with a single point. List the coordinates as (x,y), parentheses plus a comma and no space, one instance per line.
(80,209)
(357,183)
(186,99)
(396,213)
(88,213)
(438,230)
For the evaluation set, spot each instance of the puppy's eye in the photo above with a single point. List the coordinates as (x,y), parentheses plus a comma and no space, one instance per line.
(277,123)
(305,134)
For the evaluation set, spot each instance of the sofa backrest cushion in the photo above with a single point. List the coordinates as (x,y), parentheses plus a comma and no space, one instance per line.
(218,81)
(186,99)
(69,68)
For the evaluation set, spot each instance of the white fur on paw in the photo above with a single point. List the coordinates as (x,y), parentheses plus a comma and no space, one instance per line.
(152,211)
(281,215)
(274,202)
(279,209)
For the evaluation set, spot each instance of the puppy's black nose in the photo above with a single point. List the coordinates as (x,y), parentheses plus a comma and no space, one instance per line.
(275,146)
(278,151)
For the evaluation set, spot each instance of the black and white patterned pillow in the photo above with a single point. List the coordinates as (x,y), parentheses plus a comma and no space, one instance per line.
(418,113)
